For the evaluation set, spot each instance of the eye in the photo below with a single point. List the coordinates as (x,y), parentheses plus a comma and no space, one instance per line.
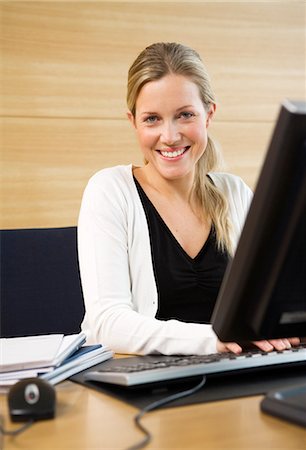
(151,119)
(186,115)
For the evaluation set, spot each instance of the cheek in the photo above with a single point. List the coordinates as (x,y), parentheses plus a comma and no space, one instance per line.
(197,134)
(146,137)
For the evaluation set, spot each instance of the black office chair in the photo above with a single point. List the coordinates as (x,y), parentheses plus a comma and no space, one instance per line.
(40,282)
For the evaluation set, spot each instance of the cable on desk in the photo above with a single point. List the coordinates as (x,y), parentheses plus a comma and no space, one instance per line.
(17,431)
(158,404)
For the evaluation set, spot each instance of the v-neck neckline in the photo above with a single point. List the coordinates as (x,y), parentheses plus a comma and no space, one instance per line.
(202,249)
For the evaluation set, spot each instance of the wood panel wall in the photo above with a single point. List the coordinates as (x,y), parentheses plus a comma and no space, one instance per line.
(63,78)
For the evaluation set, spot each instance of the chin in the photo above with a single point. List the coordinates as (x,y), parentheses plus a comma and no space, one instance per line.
(174,174)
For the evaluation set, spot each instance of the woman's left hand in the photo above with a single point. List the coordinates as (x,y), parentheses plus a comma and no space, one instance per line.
(277,344)
(264,345)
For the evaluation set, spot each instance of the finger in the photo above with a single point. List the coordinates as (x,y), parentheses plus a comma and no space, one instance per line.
(294,341)
(228,347)
(280,344)
(233,347)
(265,346)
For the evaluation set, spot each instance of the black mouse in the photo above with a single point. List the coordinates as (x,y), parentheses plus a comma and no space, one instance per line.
(31,399)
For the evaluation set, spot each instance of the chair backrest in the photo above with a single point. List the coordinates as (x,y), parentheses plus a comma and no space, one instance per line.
(40,282)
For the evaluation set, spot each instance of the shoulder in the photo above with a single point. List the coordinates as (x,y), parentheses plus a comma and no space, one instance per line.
(231,185)
(239,197)
(111,176)
(110,186)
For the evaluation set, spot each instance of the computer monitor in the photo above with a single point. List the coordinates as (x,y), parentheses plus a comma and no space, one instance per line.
(263,293)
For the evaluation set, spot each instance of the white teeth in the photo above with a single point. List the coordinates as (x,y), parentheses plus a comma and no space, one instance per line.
(173,154)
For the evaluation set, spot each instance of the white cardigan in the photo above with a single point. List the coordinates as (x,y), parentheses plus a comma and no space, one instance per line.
(117,273)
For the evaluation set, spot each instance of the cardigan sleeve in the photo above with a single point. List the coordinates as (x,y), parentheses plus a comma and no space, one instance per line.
(112,317)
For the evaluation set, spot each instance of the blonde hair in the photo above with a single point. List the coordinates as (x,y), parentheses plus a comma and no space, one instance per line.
(155,62)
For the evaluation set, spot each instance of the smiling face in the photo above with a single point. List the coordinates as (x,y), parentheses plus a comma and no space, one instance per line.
(171,126)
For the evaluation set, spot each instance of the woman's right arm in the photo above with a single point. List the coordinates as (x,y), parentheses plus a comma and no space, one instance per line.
(111,316)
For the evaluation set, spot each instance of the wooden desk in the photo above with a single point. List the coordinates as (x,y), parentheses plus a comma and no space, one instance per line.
(89,420)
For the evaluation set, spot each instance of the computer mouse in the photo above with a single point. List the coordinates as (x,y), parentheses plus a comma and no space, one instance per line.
(31,399)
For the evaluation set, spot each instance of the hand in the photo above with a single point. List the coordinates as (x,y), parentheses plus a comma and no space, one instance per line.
(232,347)
(264,345)
(276,344)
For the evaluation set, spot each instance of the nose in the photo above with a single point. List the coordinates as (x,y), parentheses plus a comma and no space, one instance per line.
(170,133)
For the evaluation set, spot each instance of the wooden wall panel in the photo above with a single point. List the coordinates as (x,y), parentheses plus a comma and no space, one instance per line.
(71,59)
(63,85)
(47,163)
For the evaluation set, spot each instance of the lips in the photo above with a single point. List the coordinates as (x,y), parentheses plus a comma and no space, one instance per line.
(174,153)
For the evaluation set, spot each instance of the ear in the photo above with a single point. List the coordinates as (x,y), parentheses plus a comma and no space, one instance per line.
(131,118)
(210,114)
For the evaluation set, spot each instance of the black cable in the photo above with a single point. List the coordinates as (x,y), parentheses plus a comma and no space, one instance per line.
(158,404)
(17,431)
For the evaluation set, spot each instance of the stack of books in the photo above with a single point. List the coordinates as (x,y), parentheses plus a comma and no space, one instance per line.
(53,357)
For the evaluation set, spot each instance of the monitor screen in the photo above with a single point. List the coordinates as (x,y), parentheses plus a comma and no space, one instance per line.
(263,293)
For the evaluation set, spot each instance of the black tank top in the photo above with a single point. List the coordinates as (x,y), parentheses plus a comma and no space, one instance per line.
(187,287)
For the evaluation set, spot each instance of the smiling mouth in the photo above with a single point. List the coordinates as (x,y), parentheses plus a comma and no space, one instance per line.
(174,153)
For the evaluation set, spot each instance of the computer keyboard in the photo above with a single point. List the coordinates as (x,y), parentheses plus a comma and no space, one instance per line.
(139,370)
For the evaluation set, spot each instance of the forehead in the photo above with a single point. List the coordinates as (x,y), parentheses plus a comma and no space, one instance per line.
(173,91)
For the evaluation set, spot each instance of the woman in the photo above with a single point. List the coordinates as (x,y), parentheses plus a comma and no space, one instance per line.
(154,241)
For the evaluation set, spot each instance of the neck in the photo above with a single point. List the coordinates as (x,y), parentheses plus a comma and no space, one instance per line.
(171,189)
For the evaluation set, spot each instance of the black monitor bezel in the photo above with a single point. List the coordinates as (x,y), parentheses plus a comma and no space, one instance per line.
(236,316)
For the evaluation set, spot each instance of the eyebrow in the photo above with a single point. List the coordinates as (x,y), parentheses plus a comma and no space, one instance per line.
(145,113)
(156,113)
(185,107)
